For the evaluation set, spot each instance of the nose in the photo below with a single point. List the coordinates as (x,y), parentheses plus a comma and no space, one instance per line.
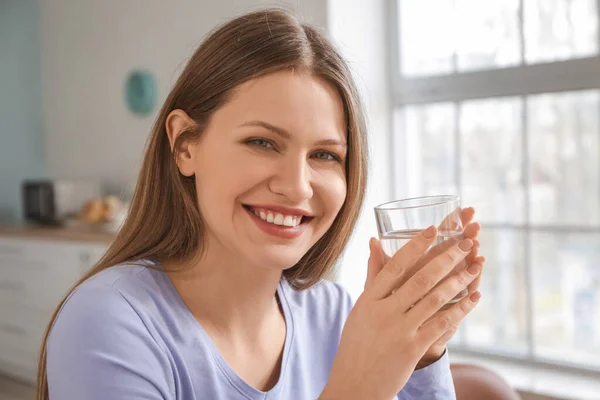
(293,179)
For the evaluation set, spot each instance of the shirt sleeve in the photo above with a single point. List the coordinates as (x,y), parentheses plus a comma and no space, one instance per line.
(433,382)
(99,348)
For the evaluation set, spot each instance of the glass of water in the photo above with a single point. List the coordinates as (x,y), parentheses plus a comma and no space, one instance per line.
(401,220)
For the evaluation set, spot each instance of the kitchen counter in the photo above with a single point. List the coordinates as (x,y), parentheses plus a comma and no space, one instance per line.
(86,235)
(38,266)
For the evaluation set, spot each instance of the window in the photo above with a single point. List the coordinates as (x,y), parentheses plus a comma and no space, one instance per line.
(499,101)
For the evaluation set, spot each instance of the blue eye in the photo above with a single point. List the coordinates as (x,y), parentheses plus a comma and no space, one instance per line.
(261,143)
(326,156)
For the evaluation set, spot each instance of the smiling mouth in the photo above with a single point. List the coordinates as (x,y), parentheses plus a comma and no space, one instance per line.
(277,218)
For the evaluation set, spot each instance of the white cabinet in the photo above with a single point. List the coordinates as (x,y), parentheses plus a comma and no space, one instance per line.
(35,274)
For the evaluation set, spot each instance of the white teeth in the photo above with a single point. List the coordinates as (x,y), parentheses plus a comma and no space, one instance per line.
(289,221)
(278,218)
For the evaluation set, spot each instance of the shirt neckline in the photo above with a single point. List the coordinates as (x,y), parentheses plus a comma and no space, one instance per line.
(229,374)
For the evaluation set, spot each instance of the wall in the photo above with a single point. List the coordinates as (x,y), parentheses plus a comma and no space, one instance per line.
(366,50)
(88,47)
(21,135)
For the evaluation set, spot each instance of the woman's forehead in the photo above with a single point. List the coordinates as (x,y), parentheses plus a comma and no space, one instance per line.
(291,101)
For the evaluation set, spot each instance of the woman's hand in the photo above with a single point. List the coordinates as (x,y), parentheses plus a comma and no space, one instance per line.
(471,231)
(396,320)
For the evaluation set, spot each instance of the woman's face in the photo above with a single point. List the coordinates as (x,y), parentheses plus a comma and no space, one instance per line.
(270,169)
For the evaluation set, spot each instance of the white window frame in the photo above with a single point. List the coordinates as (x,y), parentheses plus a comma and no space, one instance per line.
(519,81)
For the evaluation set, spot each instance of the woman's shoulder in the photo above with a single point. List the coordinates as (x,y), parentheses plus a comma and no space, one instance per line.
(101,332)
(116,281)
(120,295)
(117,276)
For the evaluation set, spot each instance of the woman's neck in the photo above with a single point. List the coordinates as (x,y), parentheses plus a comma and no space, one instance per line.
(230,297)
(237,306)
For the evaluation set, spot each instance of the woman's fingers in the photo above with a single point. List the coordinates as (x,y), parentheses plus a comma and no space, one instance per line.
(376,261)
(474,252)
(471,231)
(474,286)
(445,338)
(466,215)
(418,285)
(445,320)
(441,295)
(403,260)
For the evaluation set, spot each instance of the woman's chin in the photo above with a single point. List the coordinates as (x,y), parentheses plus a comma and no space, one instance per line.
(278,262)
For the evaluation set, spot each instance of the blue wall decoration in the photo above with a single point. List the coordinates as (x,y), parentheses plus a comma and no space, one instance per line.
(140,92)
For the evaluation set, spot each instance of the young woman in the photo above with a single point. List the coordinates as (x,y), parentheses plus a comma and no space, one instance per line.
(249,190)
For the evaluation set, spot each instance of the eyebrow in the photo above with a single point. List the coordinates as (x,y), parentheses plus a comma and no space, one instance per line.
(287,135)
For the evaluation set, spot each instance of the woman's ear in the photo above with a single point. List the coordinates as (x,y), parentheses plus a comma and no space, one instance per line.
(177,123)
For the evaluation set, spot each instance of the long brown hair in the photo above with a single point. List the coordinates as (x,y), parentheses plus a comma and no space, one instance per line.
(247,47)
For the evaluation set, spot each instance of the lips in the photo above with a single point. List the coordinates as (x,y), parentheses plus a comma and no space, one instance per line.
(279,215)
(276,218)
(279,221)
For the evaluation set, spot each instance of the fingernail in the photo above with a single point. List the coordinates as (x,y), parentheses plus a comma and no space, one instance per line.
(475,297)
(430,232)
(474,269)
(371,243)
(466,245)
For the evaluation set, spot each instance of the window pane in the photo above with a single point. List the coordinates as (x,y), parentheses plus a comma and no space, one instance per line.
(500,321)
(487,33)
(429,150)
(457,339)
(491,159)
(560,29)
(564,164)
(426,43)
(566,287)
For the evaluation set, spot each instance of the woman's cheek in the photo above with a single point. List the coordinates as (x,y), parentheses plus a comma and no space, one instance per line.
(333,185)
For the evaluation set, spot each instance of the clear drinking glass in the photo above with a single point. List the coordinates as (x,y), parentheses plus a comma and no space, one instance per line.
(400,221)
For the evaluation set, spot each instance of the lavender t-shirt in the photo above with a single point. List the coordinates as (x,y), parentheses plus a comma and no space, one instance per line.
(125,334)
